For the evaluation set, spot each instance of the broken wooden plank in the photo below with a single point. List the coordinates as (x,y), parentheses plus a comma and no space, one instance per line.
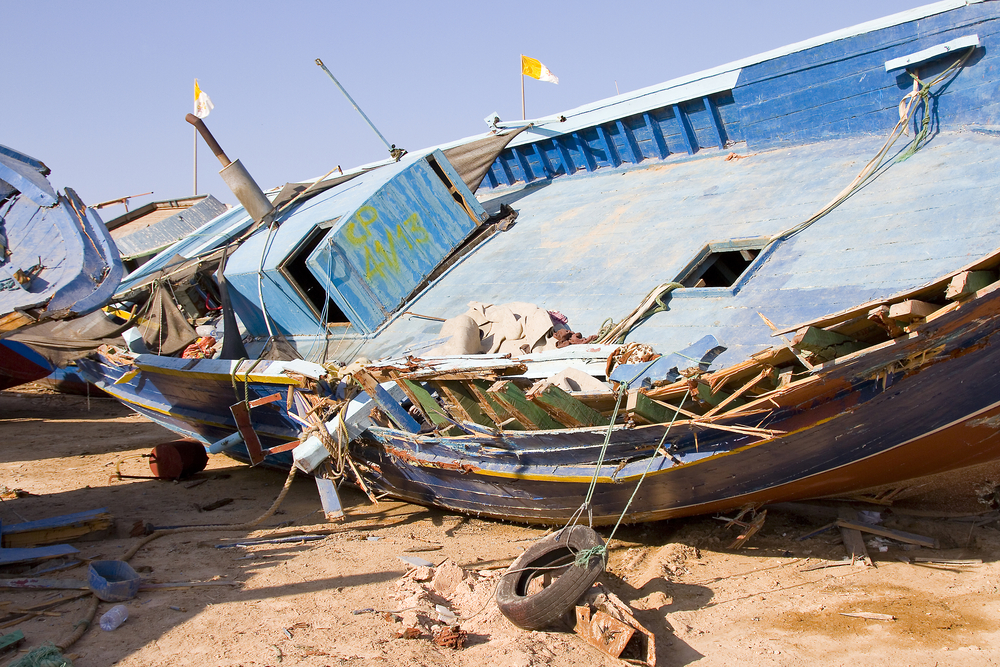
(871,616)
(463,402)
(430,408)
(54,530)
(910,310)
(853,541)
(53,584)
(29,555)
(527,413)
(766,372)
(386,402)
(823,344)
(898,535)
(647,411)
(496,410)
(967,283)
(565,409)
(948,561)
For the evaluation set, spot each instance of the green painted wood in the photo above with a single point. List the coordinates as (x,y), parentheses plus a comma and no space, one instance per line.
(499,411)
(647,411)
(968,282)
(567,410)
(526,412)
(11,640)
(462,401)
(420,396)
(825,345)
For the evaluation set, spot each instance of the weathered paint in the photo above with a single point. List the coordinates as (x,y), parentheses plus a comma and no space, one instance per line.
(54,239)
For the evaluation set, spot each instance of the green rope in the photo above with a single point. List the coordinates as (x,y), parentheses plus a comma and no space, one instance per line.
(246,381)
(46,655)
(622,390)
(583,557)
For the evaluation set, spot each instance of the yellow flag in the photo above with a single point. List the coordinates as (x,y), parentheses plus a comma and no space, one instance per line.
(202,105)
(536,70)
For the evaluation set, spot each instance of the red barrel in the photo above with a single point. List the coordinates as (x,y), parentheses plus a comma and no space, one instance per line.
(178,459)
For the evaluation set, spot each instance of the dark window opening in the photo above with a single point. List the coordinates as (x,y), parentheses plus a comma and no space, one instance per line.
(305,283)
(720,268)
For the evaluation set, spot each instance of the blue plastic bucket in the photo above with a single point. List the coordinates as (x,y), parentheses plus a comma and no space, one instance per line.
(113,580)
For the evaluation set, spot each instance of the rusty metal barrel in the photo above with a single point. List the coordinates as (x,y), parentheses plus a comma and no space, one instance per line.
(178,459)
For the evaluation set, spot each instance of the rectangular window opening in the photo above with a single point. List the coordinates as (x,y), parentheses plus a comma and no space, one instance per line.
(720,265)
(305,283)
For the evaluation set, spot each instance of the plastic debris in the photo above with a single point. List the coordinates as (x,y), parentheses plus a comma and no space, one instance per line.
(114,617)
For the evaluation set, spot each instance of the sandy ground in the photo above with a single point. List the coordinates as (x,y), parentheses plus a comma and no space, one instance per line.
(295,603)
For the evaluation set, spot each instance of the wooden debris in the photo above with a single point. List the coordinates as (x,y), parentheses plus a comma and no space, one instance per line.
(462,402)
(899,535)
(34,554)
(749,527)
(602,630)
(422,398)
(11,641)
(604,621)
(565,409)
(910,310)
(221,502)
(647,411)
(34,582)
(871,616)
(825,345)
(524,411)
(967,283)
(853,541)
(880,316)
(948,561)
(55,530)
(825,564)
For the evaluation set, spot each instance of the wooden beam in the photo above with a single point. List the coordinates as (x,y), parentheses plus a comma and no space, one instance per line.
(853,541)
(911,309)
(386,402)
(647,411)
(463,402)
(524,411)
(898,535)
(428,406)
(55,530)
(967,283)
(567,410)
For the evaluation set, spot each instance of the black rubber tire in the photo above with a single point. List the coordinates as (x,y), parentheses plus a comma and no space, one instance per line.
(548,606)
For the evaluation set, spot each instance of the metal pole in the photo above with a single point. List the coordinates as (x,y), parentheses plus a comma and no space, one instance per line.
(523,116)
(355,105)
(195,160)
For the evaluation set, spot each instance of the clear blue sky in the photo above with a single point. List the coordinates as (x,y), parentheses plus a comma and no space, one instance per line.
(98,90)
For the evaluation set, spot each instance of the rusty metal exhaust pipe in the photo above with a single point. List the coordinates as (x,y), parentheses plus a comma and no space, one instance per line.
(236,176)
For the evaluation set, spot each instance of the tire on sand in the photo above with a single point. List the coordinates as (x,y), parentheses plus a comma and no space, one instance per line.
(569,582)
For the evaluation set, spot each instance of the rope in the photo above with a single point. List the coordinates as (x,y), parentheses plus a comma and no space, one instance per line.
(622,390)
(233,377)
(907,108)
(235,527)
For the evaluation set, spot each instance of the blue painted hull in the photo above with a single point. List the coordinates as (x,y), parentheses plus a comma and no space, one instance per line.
(876,419)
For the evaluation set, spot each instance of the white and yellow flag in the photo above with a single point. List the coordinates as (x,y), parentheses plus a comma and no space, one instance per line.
(536,70)
(202,104)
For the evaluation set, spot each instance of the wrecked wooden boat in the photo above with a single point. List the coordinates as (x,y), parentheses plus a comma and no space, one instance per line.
(708,218)
(57,259)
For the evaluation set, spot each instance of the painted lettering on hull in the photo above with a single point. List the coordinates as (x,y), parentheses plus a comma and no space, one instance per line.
(382,254)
